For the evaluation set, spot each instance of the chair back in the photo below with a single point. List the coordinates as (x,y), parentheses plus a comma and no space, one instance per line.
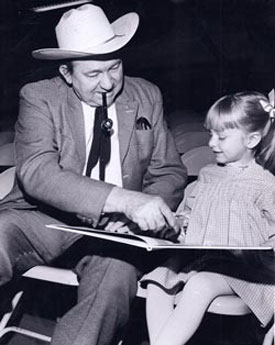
(6,182)
(189,140)
(7,154)
(6,137)
(197,158)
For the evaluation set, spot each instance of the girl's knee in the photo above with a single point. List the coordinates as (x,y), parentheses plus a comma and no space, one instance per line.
(206,284)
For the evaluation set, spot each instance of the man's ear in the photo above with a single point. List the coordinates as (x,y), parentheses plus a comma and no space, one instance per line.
(253,140)
(66,74)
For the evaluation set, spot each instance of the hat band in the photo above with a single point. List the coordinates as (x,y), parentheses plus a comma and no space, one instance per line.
(110,39)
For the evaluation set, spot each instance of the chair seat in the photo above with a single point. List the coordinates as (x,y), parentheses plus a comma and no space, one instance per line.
(52,274)
(7,181)
(228,305)
(225,305)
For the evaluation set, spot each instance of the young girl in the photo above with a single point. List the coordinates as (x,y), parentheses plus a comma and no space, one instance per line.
(231,204)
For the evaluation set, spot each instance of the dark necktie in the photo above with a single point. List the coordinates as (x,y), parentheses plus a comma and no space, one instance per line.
(101,145)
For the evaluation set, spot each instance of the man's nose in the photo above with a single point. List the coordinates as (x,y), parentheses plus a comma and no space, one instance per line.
(106,82)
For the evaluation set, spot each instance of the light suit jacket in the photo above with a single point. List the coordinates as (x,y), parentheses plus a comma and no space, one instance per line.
(50,150)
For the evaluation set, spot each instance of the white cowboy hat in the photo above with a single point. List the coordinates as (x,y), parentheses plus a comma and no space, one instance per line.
(86,31)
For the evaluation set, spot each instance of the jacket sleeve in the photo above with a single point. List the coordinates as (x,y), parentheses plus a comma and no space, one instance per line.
(165,176)
(42,177)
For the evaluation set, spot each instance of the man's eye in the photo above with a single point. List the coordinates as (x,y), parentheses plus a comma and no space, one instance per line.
(91,76)
(115,67)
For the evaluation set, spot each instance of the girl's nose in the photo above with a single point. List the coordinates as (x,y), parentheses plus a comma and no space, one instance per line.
(211,142)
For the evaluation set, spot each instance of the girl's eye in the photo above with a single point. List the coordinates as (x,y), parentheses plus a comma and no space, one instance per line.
(222,138)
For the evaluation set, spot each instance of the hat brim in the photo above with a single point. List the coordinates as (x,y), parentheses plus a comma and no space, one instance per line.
(124,29)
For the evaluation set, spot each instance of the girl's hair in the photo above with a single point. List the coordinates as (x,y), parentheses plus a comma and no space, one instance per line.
(244,110)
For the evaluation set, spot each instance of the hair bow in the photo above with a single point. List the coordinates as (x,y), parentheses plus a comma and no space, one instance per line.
(269,106)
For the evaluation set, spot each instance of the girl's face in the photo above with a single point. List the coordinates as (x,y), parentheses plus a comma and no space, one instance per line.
(230,146)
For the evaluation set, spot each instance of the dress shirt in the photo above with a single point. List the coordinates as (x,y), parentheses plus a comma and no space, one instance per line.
(113,168)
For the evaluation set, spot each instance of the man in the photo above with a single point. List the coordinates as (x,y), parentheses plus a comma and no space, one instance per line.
(137,181)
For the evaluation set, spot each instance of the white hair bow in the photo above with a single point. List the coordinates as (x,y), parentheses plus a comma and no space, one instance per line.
(269,106)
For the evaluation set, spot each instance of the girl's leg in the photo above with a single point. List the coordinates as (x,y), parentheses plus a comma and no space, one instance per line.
(196,296)
(159,307)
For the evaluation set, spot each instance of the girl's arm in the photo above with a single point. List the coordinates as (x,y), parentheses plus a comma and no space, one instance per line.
(270,243)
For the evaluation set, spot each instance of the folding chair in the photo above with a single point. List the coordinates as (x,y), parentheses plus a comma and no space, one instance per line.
(43,273)
(7,154)
(223,305)
(6,137)
(196,158)
(189,140)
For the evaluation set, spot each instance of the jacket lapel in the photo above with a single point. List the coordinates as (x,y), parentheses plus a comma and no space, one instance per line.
(126,114)
(126,110)
(74,115)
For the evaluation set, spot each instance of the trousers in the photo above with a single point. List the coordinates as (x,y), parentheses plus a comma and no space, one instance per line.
(107,281)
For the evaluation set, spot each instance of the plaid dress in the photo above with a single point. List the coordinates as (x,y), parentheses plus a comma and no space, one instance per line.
(235,207)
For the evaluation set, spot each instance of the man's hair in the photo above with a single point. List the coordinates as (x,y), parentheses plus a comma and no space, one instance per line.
(103,57)
(69,65)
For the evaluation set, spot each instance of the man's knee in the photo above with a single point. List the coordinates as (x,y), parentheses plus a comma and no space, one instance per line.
(16,253)
(112,276)
(8,238)
(123,276)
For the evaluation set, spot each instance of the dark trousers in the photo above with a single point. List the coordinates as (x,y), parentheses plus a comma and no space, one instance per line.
(107,281)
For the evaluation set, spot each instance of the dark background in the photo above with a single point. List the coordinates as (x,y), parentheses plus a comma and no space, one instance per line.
(194,50)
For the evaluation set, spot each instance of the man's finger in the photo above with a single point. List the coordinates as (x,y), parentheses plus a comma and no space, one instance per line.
(114,226)
(169,217)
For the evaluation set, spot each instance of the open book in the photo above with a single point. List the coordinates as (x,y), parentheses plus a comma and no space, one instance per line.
(145,242)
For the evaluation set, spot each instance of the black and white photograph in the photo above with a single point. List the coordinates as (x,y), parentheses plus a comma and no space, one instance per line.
(137,172)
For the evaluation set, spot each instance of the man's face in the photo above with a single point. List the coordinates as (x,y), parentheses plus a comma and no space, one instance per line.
(89,78)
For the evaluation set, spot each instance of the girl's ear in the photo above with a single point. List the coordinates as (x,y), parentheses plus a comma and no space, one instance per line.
(66,74)
(253,140)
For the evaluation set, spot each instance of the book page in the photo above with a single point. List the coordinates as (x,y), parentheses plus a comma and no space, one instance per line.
(146,242)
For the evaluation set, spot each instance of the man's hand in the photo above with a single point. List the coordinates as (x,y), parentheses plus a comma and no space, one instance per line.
(116,222)
(149,212)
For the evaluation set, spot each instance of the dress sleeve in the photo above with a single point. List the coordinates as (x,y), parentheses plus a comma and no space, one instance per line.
(184,205)
(266,203)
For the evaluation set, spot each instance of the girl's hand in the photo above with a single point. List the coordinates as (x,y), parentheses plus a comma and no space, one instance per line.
(270,243)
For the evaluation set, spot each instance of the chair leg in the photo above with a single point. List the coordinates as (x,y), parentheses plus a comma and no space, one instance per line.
(6,318)
(25,332)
